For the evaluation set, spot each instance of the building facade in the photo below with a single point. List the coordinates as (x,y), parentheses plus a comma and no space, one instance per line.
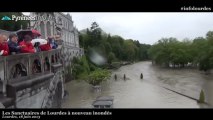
(58,23)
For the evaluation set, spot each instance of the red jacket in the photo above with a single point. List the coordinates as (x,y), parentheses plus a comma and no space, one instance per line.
(5,49)
(45,47)
(28,49)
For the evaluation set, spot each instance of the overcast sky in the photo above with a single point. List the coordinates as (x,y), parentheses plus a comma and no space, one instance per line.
(148,27)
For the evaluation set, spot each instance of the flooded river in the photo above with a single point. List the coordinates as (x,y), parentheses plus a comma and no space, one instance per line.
(148,92)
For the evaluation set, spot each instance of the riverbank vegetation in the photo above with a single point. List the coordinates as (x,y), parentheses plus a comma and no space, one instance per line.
(103,51)
(97,76)
(112,48)
(84,70)
(195,53)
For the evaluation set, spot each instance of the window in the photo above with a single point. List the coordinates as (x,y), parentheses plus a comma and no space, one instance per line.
(56,58)
(36,68)
(59,21)
(18,70)
(52,59)
(42,29)
(48,27)
(46,64)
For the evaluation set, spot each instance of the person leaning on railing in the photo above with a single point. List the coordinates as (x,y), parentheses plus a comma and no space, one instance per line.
(13,44)
(28,45)
(58,40)
(4,49)
(52,42)
(45,47)
(37,47)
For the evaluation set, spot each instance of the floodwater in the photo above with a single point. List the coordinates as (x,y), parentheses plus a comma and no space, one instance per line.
(148,92)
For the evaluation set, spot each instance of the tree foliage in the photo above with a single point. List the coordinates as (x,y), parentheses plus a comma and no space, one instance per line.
(115,48)
(202,97)
(197,52)
(97,76)
(80,67)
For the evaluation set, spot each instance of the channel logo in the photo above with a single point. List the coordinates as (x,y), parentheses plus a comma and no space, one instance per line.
(6,18)
(23,17)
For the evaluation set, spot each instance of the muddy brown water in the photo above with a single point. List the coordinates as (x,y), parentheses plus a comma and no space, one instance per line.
(147,92)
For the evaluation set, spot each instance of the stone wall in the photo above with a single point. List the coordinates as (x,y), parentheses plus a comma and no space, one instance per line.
(43,89)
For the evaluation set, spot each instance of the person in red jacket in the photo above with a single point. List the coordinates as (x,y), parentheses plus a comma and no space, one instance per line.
(4,49)
(28,45)
(46,47)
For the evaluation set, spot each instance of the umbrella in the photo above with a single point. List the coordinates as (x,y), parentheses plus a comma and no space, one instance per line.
(35,32)
(22,33)
(41,41)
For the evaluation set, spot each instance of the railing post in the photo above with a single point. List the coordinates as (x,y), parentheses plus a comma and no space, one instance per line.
(4,81)
(29,69)
(42,62)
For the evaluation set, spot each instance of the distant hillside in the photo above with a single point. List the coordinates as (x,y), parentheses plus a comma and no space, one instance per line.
(85,30)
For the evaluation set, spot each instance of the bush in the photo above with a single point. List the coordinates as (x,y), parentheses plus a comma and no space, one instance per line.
(202,97)
(116,64)
(92,67)
(80,67)
(97,76)
(111,57)
(85,64)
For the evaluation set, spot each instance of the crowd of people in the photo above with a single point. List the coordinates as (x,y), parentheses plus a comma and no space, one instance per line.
(12,46)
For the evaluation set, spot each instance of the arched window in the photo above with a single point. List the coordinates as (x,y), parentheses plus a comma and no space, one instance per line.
(59,21)
(42,29)
(18,70)
(56,58)
(36,68)
(52,59)
(48,29)
(46,64)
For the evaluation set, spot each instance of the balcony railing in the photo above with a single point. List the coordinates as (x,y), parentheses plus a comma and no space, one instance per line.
(18,67)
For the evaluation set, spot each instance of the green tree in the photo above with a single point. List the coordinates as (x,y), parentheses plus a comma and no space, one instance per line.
(205,54)
(202,97)
(108,47)
(117,46)
(114,48)
(161,51)
(80,67)
(143,52)
(111,57)
(94,34)
(170,50)
(97,76)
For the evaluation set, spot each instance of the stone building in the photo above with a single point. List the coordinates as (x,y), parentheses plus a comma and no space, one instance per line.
(57,23)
